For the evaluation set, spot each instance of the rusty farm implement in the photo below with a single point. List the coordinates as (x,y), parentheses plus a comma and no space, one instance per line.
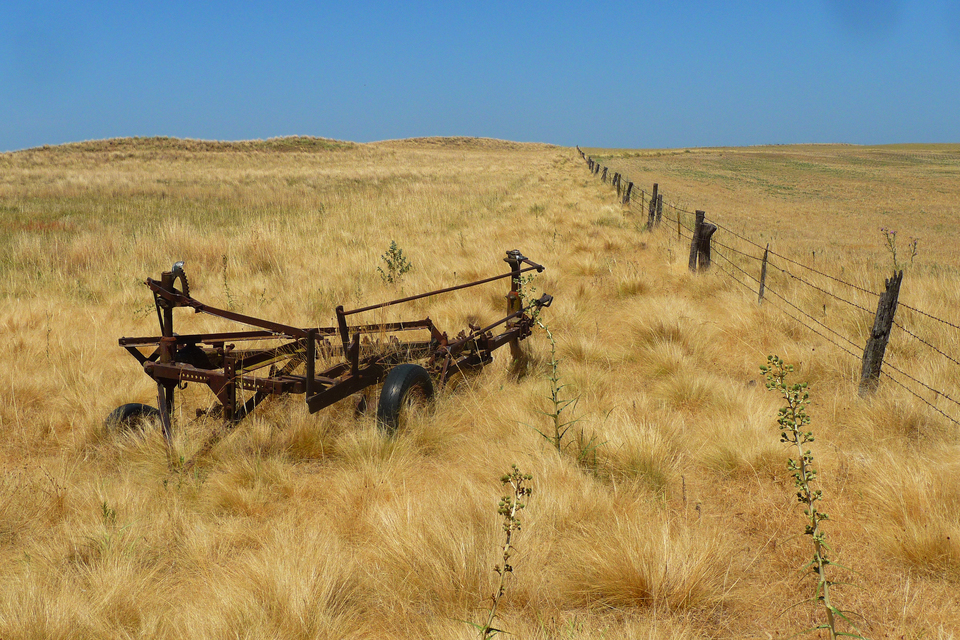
(244,368)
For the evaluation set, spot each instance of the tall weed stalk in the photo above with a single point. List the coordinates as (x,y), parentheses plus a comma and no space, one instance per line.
(792,419)
(508,509)
(560,407)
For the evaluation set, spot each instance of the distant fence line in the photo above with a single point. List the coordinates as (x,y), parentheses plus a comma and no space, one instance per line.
(702,252)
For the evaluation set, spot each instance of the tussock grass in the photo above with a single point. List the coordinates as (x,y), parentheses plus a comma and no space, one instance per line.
(301,525)
(644,564)
(919,501)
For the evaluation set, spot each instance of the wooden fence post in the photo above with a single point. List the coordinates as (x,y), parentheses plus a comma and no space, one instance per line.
(879,335)
(700,244)
(763,273)
(703,248)
(590,164)
(659,209)
(652,212)
(695,241)
(603,178)
(616,182)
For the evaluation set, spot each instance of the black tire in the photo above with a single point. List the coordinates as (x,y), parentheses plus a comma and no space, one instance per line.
(130,417)
(406,384)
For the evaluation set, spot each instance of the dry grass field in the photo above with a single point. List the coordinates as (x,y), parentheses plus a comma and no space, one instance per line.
(668,514)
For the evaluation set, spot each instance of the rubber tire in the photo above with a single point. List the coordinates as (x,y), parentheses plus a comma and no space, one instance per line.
(130,417)
(402,380)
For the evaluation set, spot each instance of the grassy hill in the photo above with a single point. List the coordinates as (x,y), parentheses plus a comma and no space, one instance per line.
(669,511)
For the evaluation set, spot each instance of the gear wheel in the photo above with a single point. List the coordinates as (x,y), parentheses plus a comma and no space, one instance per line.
(178,274)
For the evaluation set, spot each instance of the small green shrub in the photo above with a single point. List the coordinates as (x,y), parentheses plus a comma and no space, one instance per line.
(396,264)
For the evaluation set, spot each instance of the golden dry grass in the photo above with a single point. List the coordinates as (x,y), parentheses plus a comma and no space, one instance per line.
(682,525)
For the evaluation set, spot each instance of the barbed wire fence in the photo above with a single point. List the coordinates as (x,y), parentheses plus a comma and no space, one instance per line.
(704,247)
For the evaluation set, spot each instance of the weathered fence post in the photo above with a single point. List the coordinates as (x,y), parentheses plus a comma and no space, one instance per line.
(590,164)
(700,244)
(694,241)
(616,183)
(703,249)
(879,335)
(652,212)
(603,178)
(763,273)
(626,196)
(659,209)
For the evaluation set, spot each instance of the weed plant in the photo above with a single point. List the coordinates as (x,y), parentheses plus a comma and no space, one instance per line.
(890,238)
(793,419)
(560,407)
(396,264)
(509,509)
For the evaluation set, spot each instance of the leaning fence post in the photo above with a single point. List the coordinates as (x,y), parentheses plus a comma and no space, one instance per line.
(652,212)
(603,178)
(879,335)
(763,273)
(590,164)
(626,196)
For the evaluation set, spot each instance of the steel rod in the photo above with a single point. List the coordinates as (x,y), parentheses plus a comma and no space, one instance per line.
(439,291)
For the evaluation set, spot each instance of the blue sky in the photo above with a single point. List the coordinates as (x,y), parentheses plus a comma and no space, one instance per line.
(611,74)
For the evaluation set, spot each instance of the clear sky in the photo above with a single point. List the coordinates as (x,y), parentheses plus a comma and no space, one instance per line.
(599,74)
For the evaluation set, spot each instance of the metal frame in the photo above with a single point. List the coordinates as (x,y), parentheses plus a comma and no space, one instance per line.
(215,360)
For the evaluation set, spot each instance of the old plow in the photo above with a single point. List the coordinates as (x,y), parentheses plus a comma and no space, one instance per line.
(268,359)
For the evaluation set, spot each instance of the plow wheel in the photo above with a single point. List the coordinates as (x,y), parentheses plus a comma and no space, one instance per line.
(406,390)
(130,417)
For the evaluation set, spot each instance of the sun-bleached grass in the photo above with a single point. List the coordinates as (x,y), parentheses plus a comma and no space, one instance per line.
(918,500)
(302,525)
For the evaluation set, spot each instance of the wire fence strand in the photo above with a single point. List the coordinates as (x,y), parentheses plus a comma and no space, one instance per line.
(643,200)
(916,337)
(921,398)
(932,317)
(791,316)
